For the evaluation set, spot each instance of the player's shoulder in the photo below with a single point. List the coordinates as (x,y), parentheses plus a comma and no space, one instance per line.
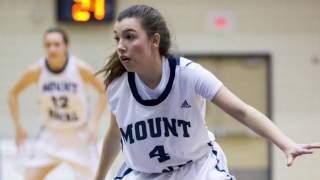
(118,82)
(188,69)
(35,67)
(187,64)
(33,71)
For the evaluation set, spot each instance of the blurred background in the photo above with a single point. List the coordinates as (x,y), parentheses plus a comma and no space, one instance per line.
(267,52)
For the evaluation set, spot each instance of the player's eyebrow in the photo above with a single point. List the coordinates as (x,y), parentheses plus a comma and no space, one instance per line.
(125,30)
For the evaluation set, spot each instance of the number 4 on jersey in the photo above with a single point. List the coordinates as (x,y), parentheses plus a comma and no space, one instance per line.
(159,152)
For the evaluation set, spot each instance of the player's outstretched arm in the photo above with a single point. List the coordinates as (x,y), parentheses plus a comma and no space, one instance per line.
(261,124)
(88,76)
(29,77)
(110,149)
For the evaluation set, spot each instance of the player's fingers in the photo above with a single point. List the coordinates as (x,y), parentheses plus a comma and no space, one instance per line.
(292,157)
(290,160)
(313,146)
(307,151)
(20,143)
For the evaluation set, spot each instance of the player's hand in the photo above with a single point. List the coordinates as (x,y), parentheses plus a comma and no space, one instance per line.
(21,137)
(298,150)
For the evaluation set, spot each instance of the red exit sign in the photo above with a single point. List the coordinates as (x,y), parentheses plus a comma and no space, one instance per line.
(221,22)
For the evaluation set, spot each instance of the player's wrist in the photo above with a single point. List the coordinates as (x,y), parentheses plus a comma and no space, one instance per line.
(19,129)
(288,146)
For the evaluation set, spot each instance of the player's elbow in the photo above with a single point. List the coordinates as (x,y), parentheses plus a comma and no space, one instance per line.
(12,95)
(240,113)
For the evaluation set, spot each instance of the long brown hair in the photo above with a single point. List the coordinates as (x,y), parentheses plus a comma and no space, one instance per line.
(152,22)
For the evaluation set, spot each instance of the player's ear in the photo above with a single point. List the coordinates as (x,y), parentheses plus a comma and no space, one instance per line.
(156,40)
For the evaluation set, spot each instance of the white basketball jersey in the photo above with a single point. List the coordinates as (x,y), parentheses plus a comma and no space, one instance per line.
(62,96)
(162,134)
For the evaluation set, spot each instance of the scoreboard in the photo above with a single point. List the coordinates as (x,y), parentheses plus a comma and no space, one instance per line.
(83,11)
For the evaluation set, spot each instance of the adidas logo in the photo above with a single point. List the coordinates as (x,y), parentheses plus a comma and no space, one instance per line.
(185,104)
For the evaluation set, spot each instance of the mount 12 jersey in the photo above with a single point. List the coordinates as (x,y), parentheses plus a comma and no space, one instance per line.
(167,132)
(61,95)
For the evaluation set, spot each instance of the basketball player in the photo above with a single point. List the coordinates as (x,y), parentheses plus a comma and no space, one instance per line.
(68,134)
(157,104)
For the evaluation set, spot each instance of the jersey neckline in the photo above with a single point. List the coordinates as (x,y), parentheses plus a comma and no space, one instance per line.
(173,61)
(58,71)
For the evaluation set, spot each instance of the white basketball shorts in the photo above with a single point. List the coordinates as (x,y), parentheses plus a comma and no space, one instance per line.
(213,166)
(53,147)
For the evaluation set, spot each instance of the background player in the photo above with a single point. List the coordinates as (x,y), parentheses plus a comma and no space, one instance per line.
(158,103)
(68,134)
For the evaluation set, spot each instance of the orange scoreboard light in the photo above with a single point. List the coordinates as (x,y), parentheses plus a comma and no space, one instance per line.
(82,11)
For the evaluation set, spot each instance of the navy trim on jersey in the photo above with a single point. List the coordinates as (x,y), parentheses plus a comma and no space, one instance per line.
(188,64)
(126,172)
(215,152)
(57,71)
(173,62)
(178,61)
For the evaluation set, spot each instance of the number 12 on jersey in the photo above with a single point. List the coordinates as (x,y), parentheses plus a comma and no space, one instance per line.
(60,102)
(159,152)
